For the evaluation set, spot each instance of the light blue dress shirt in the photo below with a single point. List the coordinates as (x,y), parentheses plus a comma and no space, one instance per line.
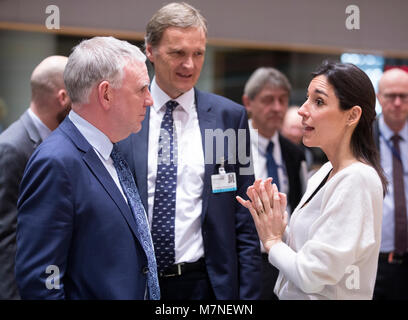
(387,240)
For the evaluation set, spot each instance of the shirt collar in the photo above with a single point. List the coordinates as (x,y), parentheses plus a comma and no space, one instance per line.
(160,98)
(96,138)
(262,141)
(43,130)
(387,133)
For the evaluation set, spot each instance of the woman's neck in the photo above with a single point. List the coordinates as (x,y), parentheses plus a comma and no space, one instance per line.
(340,158)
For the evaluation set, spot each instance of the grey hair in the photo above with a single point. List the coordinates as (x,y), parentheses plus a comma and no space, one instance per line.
(95,60)
(174,14)
(262,77)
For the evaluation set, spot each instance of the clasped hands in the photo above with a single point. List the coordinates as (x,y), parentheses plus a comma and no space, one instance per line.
(267,206)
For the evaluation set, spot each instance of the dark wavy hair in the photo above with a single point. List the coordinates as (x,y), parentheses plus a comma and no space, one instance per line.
(353,88)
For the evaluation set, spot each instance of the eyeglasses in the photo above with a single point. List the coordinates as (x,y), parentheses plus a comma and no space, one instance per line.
(390,97)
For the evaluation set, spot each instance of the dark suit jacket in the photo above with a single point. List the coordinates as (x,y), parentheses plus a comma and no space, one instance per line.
(293,156)
(17,143)
(231,244)
(73,216)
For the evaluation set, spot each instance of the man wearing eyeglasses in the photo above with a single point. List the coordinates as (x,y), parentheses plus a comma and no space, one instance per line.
(391,133)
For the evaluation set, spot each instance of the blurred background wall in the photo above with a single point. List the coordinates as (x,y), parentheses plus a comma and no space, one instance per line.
(293,36)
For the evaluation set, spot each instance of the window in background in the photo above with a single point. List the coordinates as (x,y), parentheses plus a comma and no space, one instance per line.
(372,65)
(233,67)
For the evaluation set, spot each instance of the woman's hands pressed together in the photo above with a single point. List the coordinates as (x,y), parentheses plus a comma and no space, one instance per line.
(267,206)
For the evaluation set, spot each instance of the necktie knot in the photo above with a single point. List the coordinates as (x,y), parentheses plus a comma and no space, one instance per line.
(171,105)
(115,155)
(395,139)
(269,148)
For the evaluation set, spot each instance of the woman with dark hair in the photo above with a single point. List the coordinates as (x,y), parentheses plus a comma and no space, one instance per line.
(331,249)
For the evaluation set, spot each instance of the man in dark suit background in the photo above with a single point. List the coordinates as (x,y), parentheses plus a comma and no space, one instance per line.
(266,98)
(48,107)
(82,232)
(392,273)
(206,243)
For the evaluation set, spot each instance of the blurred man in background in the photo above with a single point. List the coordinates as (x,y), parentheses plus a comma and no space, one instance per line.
(266,98)
(48,107)
(391,135)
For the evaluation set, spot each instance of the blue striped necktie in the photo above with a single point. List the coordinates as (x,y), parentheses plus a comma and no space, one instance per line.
(132,194)
(400,207)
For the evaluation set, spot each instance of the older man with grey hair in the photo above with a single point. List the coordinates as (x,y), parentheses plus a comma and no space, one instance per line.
(82,231)
(266,98)
(48,107)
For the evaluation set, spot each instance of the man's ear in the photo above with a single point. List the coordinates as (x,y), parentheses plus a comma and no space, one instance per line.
(63,98)
(105,94)
(354,115)
(149,52)
(246,102)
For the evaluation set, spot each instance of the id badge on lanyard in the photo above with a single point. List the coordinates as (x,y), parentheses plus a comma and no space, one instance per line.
(223,181)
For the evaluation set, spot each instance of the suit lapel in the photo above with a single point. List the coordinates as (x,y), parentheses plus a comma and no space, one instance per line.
(206,120)
(98,169)
(31,129)
(290,170)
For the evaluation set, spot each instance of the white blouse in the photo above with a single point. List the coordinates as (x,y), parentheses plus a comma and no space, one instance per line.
(331,249)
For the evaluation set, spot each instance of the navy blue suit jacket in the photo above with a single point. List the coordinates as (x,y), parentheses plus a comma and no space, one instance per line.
(231,244)
(73,216)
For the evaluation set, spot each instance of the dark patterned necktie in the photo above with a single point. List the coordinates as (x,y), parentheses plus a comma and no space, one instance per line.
(164,207)
(400,204)
(271,164)
(132,194)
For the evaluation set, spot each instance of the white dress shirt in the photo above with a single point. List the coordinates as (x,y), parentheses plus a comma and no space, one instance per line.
(258,147)
(331,249)
(99,142)
(43,130)
(188,239)
(388,230)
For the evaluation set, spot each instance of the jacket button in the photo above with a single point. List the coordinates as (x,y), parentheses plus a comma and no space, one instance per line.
(145,270)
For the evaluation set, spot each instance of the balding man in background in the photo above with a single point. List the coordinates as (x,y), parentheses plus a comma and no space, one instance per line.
(391,136)
(48,107)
